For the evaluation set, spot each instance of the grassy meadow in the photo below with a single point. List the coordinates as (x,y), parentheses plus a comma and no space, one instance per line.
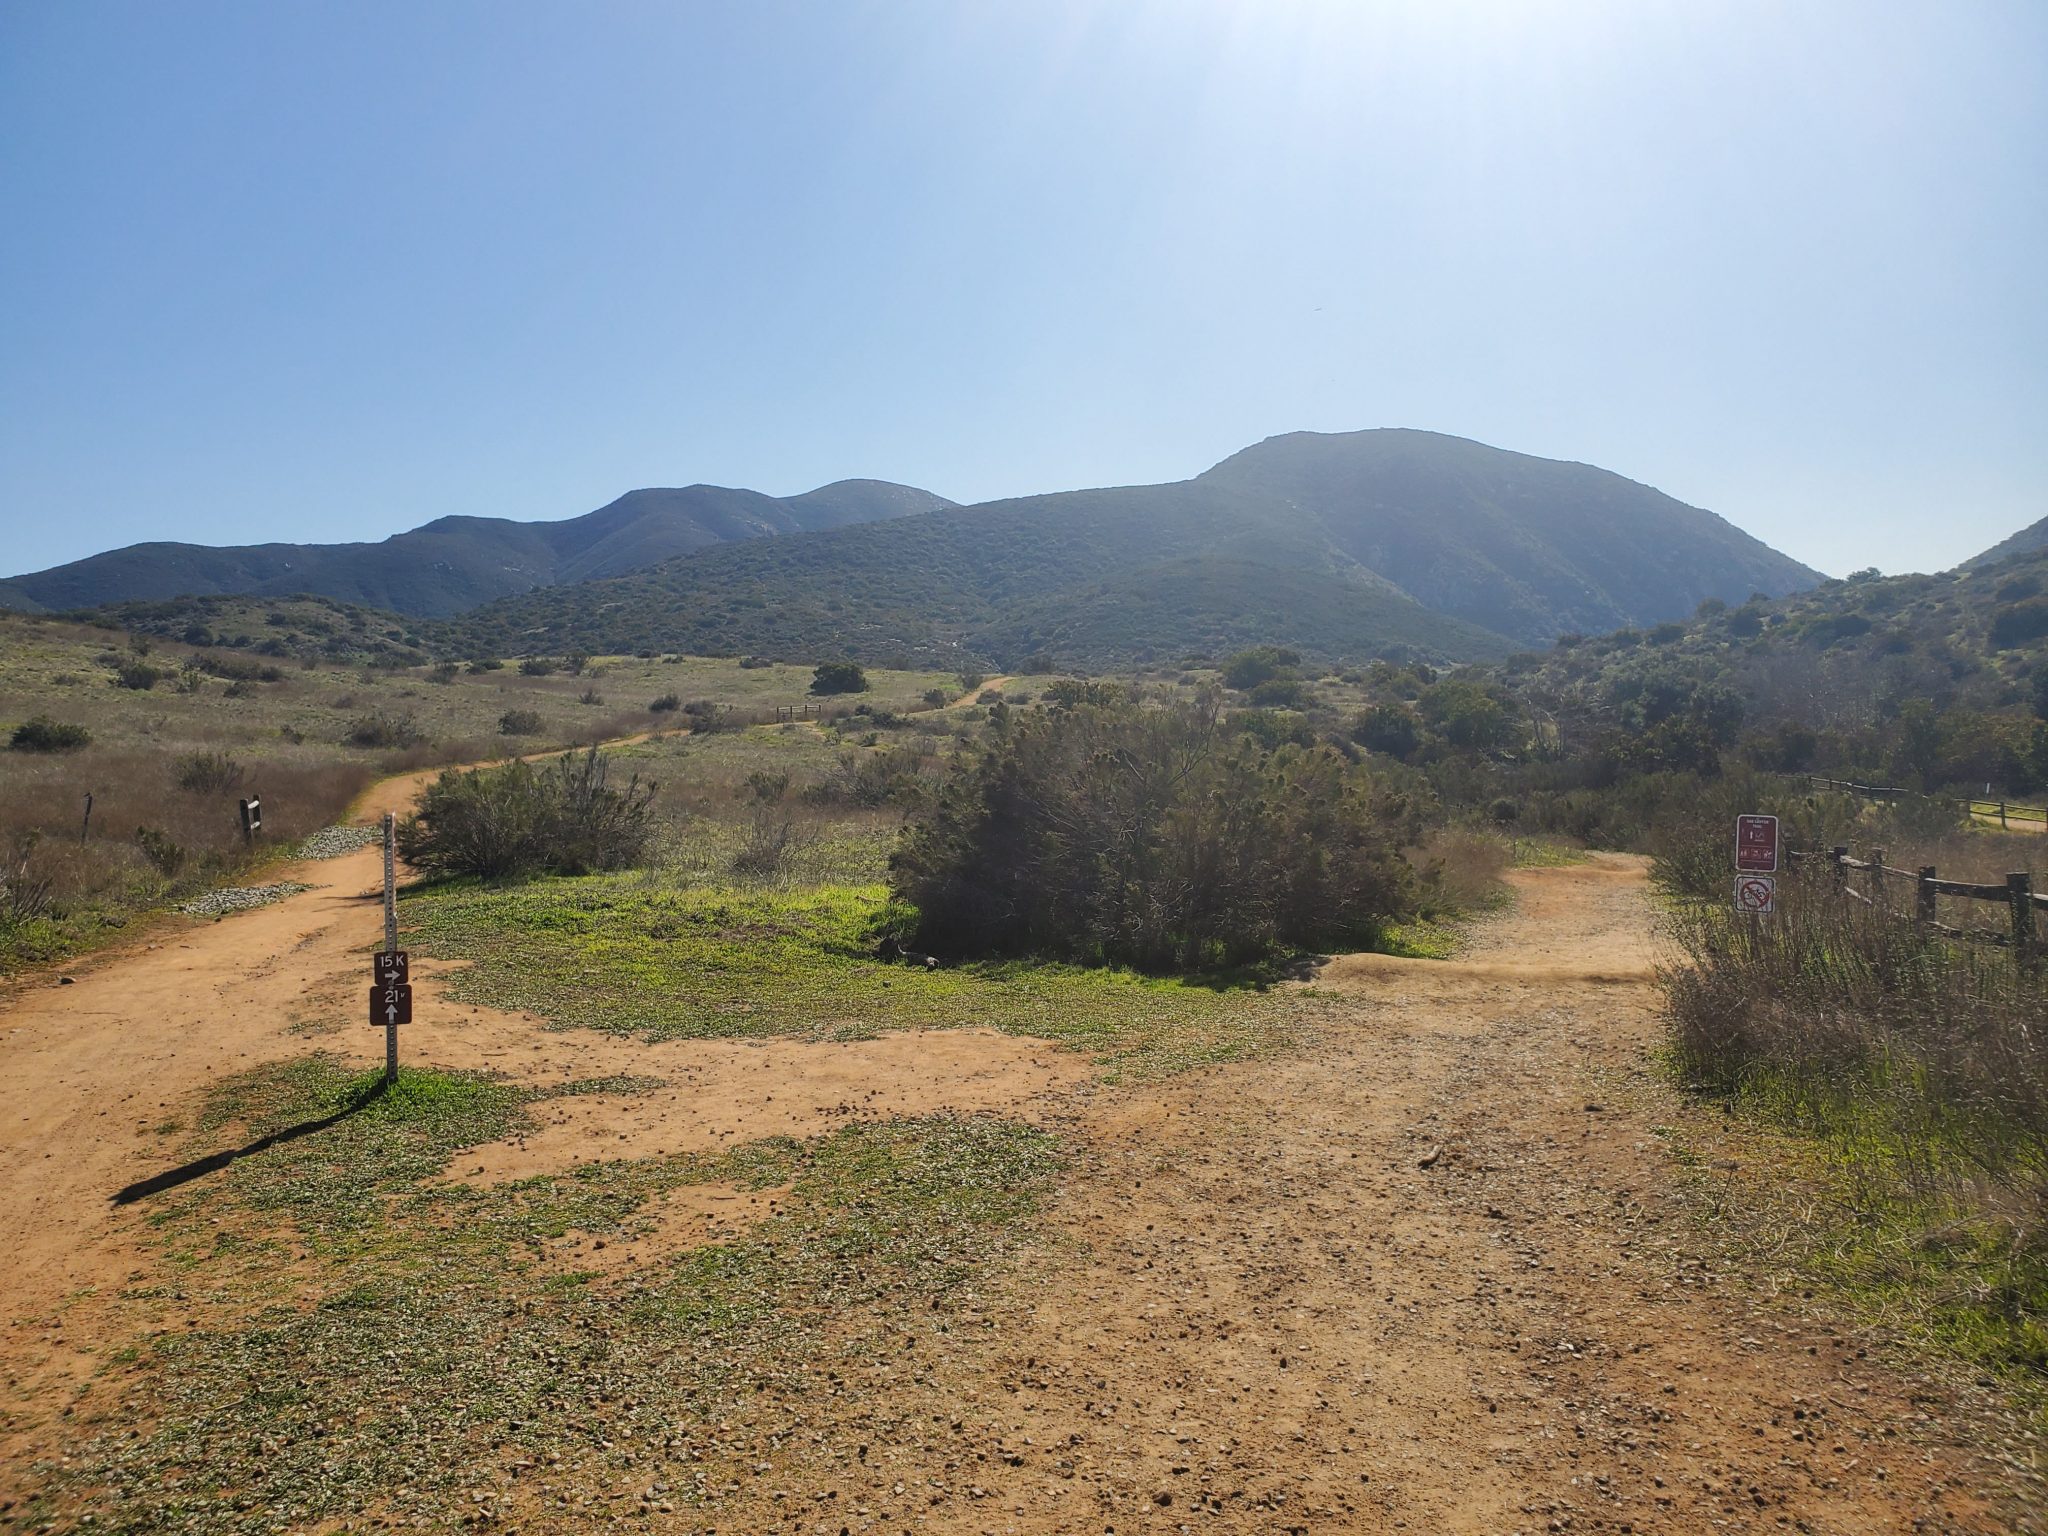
(177,734)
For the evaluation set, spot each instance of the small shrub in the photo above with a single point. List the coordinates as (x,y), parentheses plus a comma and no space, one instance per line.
(42,734)
(385,729)
(158,847)
(519,819)
(208,773)
(444,673)
(767,787)
(751,663)
(536,666)
(27,890)
(1389,728)
(707,718)
(666,704)
(139,675)
(771,843)
(1277,693)
(1262,663)
(590,696)
(521,722)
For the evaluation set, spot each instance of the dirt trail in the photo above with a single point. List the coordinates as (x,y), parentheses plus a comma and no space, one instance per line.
(1430,1272)
(96,1066)
(973,694)
(1429,1275)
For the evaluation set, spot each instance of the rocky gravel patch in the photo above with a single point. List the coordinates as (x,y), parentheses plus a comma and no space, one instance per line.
(240,898)
(333,842)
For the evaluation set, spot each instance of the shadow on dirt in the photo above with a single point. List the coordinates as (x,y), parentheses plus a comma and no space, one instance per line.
(213,1162)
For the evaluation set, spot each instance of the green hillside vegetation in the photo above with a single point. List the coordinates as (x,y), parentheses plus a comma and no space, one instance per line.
(300,627)
(1923,681)
(1525,546)
(455,563)
(1322,543)
(2029,539)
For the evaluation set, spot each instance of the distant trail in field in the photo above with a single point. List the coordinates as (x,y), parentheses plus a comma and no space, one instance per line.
(974,694)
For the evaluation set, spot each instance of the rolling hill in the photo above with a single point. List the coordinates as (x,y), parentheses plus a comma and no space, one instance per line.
(2028,540)
(455,563)
(1342,545)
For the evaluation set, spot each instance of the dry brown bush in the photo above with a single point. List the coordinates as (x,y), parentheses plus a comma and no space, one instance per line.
(1462,866)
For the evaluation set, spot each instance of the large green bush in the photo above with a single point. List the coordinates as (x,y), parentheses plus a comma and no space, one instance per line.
(518,819)
(839,677)
(1158,837)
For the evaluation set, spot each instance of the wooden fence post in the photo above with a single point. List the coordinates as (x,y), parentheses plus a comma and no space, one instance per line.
(2001,817)
(1876,874)
(2019,891)
(1840,870)
(1923,896)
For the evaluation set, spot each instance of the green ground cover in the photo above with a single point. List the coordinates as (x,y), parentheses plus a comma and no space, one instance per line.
(662,959)
(364,1340)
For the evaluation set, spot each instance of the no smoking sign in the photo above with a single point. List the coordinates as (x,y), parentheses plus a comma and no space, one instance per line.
(1756,893)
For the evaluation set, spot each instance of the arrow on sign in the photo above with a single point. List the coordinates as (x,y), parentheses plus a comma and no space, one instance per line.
(390,1006)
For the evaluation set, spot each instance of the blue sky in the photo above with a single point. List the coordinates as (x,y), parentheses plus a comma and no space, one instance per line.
(328,270)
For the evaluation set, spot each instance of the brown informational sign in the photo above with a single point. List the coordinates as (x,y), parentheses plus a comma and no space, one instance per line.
(1756,845)
(391,968)
(390,1005)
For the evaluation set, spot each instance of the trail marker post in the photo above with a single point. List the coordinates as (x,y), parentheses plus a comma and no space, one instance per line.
(390,989)
(1756,862)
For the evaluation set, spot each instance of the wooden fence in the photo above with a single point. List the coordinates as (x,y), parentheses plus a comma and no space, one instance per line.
(799,712)
(2031,817)
(2017,894)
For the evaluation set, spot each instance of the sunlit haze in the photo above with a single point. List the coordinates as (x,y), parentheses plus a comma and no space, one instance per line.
(328,271)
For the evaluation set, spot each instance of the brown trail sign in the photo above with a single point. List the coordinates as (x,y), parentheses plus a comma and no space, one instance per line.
(1756,845)
(391,1006)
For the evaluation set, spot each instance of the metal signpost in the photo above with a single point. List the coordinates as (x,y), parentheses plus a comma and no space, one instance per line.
(391,971)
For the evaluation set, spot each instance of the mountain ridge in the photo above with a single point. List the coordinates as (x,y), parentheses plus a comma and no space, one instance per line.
(1513,548)
(457,562)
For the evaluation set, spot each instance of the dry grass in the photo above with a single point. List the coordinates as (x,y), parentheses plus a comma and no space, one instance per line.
(1920,1063)
(287,726)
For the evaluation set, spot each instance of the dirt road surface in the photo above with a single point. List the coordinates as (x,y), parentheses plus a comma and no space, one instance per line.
(1430,1272)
